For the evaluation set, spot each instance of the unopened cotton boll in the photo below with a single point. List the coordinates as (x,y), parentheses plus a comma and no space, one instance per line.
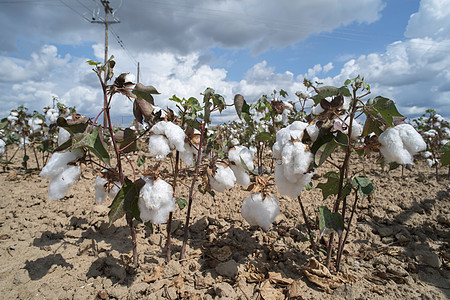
(156,201)
(223,179)
(158,146)
(174,134)
(257,211)
(60,184)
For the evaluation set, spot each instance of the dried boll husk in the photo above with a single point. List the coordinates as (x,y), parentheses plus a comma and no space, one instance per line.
(142,110)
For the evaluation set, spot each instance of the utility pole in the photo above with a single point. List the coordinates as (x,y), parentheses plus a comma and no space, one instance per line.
(108,10)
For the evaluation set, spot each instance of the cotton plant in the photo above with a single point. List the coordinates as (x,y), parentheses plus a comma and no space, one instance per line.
(107,185)
(222,178)
(435,131)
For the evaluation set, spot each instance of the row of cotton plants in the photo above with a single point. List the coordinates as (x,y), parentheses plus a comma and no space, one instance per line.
(276,146)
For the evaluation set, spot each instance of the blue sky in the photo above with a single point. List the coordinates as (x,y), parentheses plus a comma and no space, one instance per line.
(249,47)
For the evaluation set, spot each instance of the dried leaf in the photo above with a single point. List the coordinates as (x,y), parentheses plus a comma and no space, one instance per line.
(156,274)
(278,279)
(269,293)
(294,291)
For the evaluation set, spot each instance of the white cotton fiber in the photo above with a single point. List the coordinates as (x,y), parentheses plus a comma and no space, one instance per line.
(188,155)
(317,110)
(295,160)
(2,147)
(291,132)
(357,130)
(172,132)
(60,184)
(101,189)
(238,152)
(400,143)
(58,162)
(257,211)
(223,179)
(156,201)
(289,187)
(242,177)
(411,139)
(158,146)
(52,115)
(313,132)
(63,136)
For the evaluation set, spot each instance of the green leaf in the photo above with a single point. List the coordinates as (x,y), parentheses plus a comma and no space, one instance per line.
(309,186)
(181,203)
(244,165)
(283,93)
(116,210)
(126,200)
(445,158)
(364,185)
(330,221)
(387,109)
(327,91)
(5,162)
(93,142)
(331,187)
(73,126)
(324,152)
(263,137)
(372,125)
(93,63)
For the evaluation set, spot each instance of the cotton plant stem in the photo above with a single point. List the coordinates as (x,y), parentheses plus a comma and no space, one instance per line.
(342,245)
(308,227)
(191,193)
(343,174)
(35,157)
(169,221)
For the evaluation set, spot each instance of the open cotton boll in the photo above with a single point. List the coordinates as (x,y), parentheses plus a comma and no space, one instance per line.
(187,156)
(156,201)
(392,147)
(412,140)
(101,190)
(223,179)
(2,147)
(257,211)
(243,152)
(317,110)
(158,146)
(313,132)
(242,177)
(357,130)
(60,184)
(295,160)
(289,187)
(174,134)
(284,135)
(52,115)
(58,162)
(63,136)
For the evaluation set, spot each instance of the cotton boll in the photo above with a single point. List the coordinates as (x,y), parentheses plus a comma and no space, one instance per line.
(101,189)
(60,184)
(158,146)
(295,160)
(58,162)
(156,201)
(392,147)
(187,156)
(412,140)
(357,130)
(242,177)
(317,110)
(52,115)
(290,188)
(2,147)
(174,134)
(313,132)
(257,211)
(432,162)
(293,131)
(430,133)
(63,136)
(235,155)
(223,179)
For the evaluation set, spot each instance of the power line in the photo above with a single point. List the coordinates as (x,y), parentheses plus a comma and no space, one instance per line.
(74,10)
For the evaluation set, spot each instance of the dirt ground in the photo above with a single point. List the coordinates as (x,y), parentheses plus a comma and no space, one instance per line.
(399,246)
